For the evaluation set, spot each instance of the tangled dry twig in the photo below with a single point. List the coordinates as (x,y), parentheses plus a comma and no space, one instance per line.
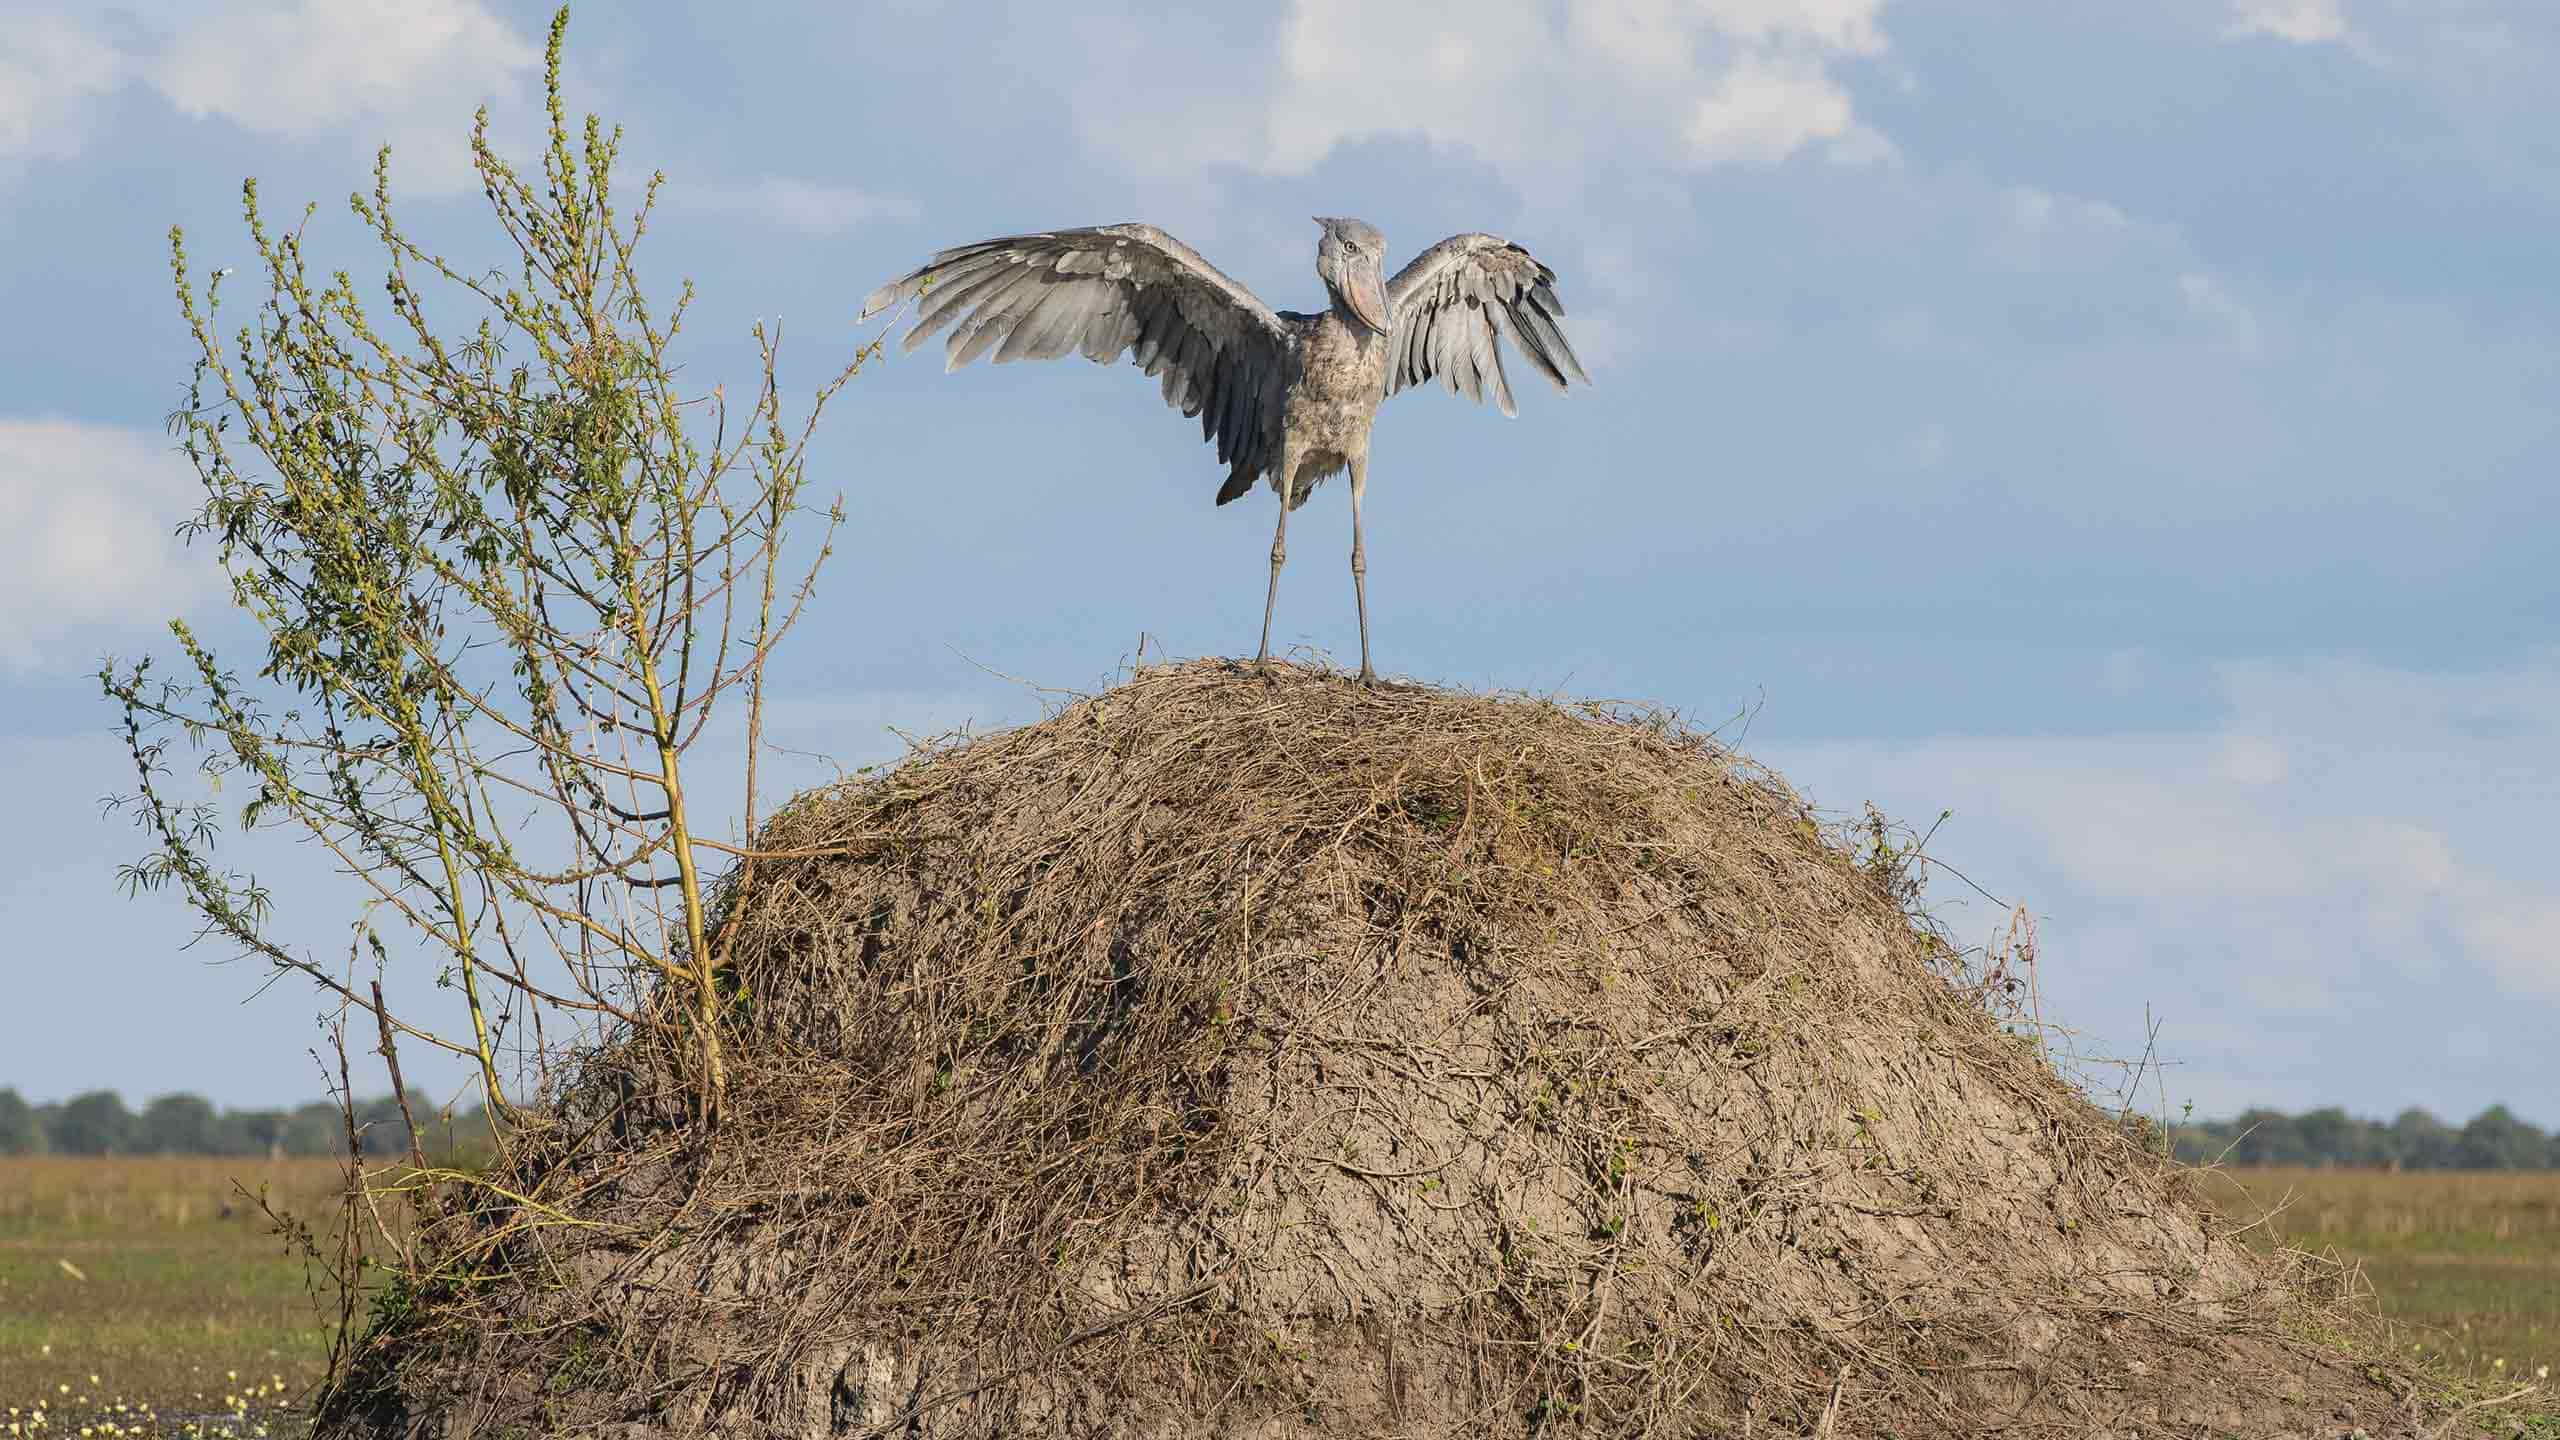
(1294,1058)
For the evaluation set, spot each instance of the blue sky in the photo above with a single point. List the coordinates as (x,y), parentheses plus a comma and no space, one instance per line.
(2130,428)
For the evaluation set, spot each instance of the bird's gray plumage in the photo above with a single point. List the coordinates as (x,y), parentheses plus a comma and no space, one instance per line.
(1287,398)
(1454,299)
(1103,291)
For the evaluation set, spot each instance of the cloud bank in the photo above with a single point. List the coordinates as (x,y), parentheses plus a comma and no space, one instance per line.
(2348,832)
(376,71)
(86,515)
(1532,89)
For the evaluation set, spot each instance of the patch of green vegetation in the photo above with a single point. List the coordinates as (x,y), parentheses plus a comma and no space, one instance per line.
(153,1285)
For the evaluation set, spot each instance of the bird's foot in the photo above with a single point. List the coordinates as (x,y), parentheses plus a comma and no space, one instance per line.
(1368,677)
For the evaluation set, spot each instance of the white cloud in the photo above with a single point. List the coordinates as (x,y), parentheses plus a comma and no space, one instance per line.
(2303,22)
(2044,231)
(2042,211)
(86,513)
(1844,25)
(1530,89)
(402,71)
(2252,760)
(1863,146)
(2485,63)
(2223,314)
(52,69)
(811,207)
(1765,107)
(2351,841)
(2488,65)
(1592,111)
(2516,933)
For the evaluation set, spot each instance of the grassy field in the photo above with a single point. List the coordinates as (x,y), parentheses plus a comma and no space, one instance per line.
(2468,1262)
(153,1285)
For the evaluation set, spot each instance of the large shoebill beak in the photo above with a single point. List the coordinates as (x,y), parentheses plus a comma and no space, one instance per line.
(1366,294)
(1362,289)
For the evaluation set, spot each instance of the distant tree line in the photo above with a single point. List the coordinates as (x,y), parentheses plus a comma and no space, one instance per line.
(2494,1139)
(99,1124)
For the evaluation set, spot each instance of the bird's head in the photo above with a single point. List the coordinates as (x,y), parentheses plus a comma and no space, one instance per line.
(1351,259)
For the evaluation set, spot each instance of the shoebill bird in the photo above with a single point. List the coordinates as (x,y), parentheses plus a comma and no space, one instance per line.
(1287,398)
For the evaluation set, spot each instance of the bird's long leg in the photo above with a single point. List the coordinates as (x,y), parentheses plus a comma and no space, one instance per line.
(1279,552)
(1360,564)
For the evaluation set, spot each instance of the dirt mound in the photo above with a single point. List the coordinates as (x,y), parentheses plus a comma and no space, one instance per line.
(1230,1057)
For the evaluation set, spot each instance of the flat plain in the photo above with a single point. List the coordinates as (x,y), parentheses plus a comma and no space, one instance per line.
(2465,1262)
(156,1284)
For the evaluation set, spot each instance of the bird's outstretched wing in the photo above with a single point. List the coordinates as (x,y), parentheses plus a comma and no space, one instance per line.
(1104,290)
(1456,300)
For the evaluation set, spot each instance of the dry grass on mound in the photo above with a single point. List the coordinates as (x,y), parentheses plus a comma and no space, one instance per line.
(1261,1058)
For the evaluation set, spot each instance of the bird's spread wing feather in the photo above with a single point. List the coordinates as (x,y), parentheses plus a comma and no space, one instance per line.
(1453,304)
(1103,291)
